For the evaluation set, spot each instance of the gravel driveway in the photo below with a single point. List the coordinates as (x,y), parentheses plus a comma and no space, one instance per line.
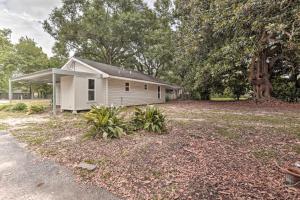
(24,176)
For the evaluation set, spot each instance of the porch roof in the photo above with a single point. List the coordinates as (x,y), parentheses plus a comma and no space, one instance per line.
(46,76)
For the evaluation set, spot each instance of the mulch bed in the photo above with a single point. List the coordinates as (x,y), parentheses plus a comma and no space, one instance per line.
(192,161)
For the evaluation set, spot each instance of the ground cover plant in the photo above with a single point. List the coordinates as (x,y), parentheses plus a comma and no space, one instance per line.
(35,109)
(106,122)
(213,150)
(19,107)
(151,119)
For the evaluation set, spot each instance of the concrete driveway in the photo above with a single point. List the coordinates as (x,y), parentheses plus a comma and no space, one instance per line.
(24,176)
(3,101)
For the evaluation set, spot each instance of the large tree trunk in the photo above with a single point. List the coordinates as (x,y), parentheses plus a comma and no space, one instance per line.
(260,73)
(262,64)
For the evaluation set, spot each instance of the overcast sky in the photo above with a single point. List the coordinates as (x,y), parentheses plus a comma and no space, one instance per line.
(24,18)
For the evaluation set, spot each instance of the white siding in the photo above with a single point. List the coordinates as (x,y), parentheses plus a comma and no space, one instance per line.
(78,67)
(108,91)
(67,95)
(58,98)
(137,95)
(81,93)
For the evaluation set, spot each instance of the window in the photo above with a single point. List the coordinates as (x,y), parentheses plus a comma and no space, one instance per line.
(158,92)
(127,87)
(91,90)
(146,87)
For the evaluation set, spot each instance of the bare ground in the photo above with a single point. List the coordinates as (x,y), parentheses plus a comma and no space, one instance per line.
(213,150)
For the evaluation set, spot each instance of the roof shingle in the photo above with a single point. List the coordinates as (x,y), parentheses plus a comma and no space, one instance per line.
(119,72)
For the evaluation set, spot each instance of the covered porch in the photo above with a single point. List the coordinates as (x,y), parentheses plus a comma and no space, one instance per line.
(50,76)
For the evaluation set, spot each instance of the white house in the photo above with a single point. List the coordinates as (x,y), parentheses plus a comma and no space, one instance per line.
(81,83)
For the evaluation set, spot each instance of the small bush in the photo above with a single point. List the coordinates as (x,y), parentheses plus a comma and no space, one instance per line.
(19,107)
(5,107)
(105,122)
(35,109)
(150,119)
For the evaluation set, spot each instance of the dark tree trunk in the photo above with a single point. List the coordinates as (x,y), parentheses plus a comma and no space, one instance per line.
(260,73)
(262,64)
(30,91)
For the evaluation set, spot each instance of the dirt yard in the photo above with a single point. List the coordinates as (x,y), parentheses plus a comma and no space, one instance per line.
(213,150)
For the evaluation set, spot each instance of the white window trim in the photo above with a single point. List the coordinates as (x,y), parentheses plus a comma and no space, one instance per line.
(126,87)
(92,90)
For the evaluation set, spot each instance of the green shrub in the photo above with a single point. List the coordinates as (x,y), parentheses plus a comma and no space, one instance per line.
(5,107)
(20,107)
(150,119)
(105,122)
(34,109)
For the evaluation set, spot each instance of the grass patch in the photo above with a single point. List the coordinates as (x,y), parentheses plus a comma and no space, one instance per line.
(227,99)
(294,130)
(3,127)
(157,174)
(296,148)
(5,107)
(99,162)
(106,175)
(5,115)
(33,140)
(48,152)
(265,154)
(227,133)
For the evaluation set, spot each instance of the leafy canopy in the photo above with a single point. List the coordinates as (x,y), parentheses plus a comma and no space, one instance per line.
(123,33)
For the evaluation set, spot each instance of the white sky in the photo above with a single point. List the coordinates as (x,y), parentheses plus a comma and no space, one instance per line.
(24,18)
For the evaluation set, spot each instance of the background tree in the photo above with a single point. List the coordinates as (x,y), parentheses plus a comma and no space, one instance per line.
(218,36)
(122,33)
(30,57)
(7,58)
(23,58)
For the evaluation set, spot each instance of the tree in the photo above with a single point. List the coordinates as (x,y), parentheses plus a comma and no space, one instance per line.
(7,58)
(30,57)
(122,33)
(154,46)
(218,36)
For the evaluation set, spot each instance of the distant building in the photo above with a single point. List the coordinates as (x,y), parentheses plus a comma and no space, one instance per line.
(17,94)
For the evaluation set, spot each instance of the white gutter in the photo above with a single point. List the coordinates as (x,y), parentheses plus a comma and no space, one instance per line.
(137,80)
(49,73)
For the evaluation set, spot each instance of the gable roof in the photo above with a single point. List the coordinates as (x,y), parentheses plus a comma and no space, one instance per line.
(119,72)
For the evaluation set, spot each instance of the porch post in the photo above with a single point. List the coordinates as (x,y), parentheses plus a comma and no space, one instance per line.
(9,90)
(53,93)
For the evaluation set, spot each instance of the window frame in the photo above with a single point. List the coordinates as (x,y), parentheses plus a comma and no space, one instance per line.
(159,92)
(127,87)
(91,90)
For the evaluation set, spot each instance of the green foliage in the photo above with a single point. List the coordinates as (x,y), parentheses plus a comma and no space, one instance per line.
(5,107)
(19,107)
(131,34)
(105,122)
(151,119)
(7,59)
(283,89)
(30,57)
(35,109)
(217,38)
(22,58)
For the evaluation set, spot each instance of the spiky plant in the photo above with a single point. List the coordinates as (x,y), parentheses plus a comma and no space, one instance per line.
(105,122)
(151,119)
